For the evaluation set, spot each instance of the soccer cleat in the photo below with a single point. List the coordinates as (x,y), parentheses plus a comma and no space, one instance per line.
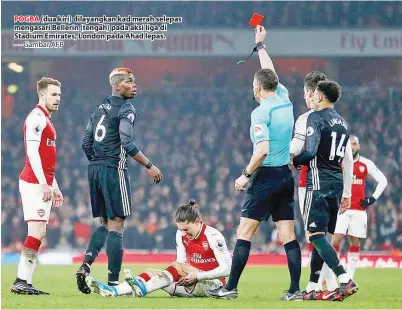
(296,296)
(39,291)
(81,284)
(345,290)
(137,286)
(311,295)
(222,292)
(22,288)
(327,295)
(100,288)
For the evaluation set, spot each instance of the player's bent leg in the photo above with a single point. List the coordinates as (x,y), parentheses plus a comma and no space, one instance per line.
(160,280)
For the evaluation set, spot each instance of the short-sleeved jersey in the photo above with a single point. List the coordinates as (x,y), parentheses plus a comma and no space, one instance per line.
(300,133)
(104,126)
(326,136)
(205,252)
(363,167)
(38,127)
(273,121)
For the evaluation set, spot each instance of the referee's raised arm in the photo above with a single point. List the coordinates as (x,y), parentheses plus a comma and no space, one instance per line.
(267,180)
(265,60)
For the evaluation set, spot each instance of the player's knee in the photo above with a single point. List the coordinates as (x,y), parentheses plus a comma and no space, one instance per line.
(103,222)
(336,239)
(354,241)
(37,230)
(116,224)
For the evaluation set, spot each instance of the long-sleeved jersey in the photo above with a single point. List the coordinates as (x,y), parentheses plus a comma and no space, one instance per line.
(109,136)
(327,144)
(361,168)
(207,252)
(40,148)
(298,142)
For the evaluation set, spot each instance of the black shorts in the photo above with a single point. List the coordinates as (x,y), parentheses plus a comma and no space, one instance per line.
(321,210)
(110,191)
(270,192)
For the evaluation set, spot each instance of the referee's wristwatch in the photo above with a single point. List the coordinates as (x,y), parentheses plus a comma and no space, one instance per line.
(260,46)
(245,173)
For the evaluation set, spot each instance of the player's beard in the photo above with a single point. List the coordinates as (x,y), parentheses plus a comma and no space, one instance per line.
(355,154)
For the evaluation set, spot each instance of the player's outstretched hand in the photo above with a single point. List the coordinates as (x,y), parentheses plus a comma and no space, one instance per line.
(57,198)
(155,173)
(260,34)
(345,205)
(47,192)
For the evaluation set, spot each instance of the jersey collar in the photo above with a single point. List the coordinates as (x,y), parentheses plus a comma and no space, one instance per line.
(44,110)
(201,231)
(357,159)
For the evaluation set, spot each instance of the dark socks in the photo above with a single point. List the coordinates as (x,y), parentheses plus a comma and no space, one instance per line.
(328,253)
(315,266)
(114,251)
(96,243)
(241,253)
(293,254)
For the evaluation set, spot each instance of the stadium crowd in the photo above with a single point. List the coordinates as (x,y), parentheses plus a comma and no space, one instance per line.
(199,137)
(330,14)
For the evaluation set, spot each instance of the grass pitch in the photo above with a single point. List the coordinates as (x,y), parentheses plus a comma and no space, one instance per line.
(260,288)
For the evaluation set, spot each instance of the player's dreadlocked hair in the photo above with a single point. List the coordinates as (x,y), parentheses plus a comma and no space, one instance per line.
(313,78)
(43,83)
(119,74)
(188,213)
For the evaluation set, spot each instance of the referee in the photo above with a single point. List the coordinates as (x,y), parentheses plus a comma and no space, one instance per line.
(271,185)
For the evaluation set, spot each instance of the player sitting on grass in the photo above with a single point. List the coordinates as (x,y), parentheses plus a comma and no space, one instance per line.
(203,261)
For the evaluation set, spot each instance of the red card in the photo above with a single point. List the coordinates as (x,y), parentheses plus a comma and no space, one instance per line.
(256,20)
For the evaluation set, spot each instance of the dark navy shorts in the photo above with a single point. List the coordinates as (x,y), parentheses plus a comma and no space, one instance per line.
(321,210)
(110,191)
(270,192)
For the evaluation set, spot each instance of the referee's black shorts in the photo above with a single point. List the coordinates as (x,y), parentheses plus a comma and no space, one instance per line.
(270,192)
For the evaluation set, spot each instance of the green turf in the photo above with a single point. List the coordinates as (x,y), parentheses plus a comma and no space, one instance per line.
(260,287)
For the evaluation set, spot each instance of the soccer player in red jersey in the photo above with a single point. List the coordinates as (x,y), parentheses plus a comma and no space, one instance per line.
(37,183)
(203,261)
(298,142)
(353,221)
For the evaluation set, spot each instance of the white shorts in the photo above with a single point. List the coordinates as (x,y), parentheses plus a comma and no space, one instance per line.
(197,290)
(302,196)
(352,223)
(35,209)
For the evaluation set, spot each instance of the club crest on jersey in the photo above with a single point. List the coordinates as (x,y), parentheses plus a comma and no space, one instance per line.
(131,117)
(361,168)
(205,245)
(310,131)
(41,212)
(258,131)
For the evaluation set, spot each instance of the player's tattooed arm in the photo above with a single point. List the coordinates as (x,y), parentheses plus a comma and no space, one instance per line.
(88,141)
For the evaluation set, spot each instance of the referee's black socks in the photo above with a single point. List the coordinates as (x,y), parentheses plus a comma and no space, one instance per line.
(293,254)
(327,252)
(241,253)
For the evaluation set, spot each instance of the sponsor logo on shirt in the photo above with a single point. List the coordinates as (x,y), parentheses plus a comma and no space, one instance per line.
(197,259)
(50,142)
